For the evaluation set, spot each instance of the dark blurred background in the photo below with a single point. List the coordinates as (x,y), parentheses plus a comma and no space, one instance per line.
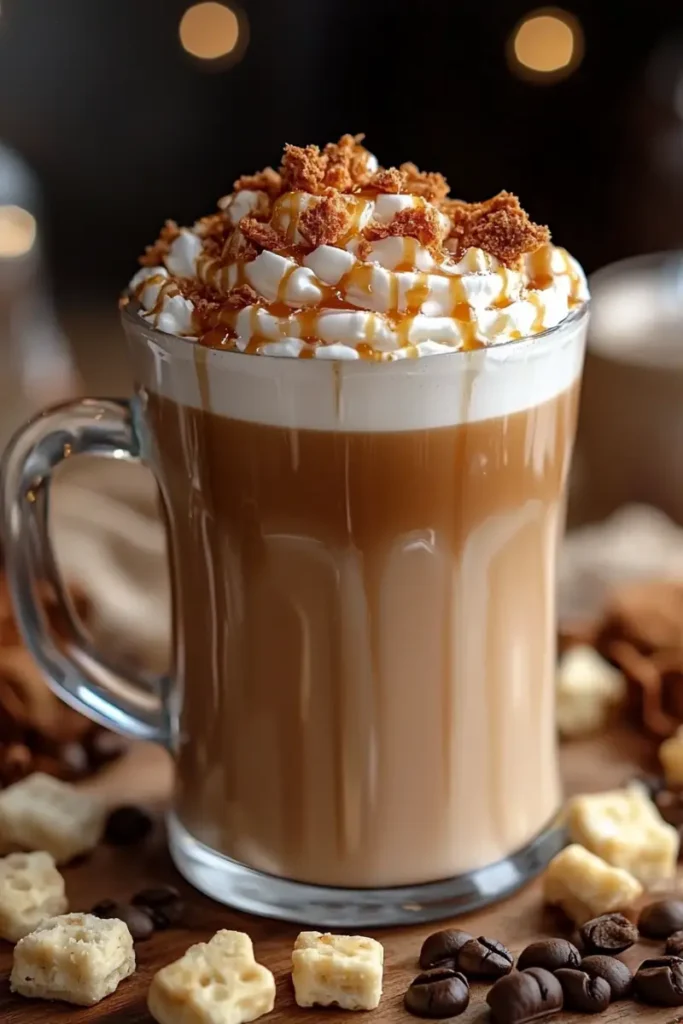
(117,114)
(124,128)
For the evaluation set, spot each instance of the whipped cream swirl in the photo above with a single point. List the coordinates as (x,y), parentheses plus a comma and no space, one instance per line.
(382,299)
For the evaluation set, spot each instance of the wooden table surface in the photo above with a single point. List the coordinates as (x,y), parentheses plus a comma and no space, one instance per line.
(145,777)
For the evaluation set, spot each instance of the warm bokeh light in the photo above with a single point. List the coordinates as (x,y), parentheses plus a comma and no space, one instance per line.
(546,44)
(17,232)
(209,30)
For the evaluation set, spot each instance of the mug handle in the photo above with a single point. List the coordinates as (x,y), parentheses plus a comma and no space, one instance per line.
(134,704)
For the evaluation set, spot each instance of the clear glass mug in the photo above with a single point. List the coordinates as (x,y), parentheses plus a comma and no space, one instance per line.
(361,706)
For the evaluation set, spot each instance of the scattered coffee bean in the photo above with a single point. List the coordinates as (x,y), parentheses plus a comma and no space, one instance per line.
(441,992)
(105,909)
(551,954)
(609,933)
(442,946)
(670,806)
(582,992)
(661,919)
(617,975)
(674,944)
(659,981)
(127,825)
(524,996)
(485,958)
(138,920)
(652,784)
(163,904)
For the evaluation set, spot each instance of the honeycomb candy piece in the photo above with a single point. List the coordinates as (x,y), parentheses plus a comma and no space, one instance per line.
(42,813)
(31,891)
(584,886)
(588,691)
(216,982)
(337,970)
(77,958)
(625,828)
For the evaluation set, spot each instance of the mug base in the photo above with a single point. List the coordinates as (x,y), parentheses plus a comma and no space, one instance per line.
(254,892)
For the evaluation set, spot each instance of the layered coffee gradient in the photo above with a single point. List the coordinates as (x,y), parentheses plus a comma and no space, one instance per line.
(362,540)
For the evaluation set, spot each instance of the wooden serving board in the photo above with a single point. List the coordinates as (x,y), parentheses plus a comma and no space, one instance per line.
(588,765)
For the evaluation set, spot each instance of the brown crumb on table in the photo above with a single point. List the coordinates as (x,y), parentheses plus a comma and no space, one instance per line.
(388,179)
(499,226)
(263,236)
(420,222)
(430,185)
(155,254)
(268,180)
(326,222)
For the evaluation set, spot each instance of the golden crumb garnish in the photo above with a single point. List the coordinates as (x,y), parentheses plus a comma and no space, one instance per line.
(303,169)
(155,254)
(263,236)
(499,226)
(327,221)
(341,165)
(363,249)
(388,179)
(347,163)
(268,180)
(430,185)
(420,222)
(241,296)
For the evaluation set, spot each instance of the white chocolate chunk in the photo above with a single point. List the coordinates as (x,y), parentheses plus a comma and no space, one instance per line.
(671,756)
(625,828)
(585,886)
(588,691)
(31,891)
(216,982)
(42,813)
(337,970)
(77,958)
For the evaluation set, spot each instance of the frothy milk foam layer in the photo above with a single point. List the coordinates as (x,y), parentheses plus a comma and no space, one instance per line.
(362,541)
(410,395)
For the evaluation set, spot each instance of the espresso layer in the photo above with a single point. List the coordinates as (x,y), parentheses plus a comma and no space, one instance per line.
(364,638)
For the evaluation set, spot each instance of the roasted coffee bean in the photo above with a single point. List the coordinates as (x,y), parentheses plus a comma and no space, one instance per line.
(670,806)
(105,908)
(441,992)
(609,933)
(582,992)
(139,922)
(127,825)
(617,975)
(661,919)
(442,946)
(551,954)
(652,784)
(163,904)
(525,996)
(485,958)
(659,981)
(674,944)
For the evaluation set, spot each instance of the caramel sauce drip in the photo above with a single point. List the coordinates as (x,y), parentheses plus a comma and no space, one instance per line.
(304,322)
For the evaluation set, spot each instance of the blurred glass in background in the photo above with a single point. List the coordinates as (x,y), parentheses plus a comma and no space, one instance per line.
(35,364)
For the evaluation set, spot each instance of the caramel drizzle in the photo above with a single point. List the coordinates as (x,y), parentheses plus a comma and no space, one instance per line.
(220,330)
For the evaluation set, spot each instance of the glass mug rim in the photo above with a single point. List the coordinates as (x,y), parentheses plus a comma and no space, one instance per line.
(131,318)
